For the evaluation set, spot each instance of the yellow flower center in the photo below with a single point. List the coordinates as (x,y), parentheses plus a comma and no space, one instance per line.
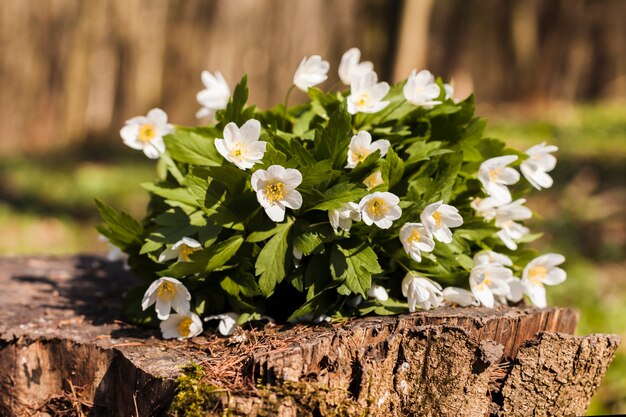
(536,273)
(184,327)
(237,151)
(378,207)
(373,180)
(360,154)
(185,251)
(147,133)
(414,236)
(495,173)
(166,291)
(274,191)
(437,217)
(363,99)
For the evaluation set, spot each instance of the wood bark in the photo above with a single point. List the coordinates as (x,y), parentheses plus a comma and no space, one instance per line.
(61,343)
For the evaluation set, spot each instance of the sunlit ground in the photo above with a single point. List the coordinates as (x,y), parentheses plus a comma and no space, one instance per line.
(46,206)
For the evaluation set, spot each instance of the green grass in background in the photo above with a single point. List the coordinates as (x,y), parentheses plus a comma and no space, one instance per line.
(46,206)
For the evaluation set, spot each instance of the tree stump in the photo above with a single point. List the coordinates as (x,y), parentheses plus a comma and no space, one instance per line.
(63,350)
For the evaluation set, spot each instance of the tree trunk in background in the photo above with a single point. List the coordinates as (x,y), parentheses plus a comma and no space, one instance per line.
(72,71)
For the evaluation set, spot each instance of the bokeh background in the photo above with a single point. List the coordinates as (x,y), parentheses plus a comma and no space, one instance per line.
(72,71)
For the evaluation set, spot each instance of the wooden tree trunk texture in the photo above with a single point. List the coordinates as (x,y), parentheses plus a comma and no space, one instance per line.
(60,338)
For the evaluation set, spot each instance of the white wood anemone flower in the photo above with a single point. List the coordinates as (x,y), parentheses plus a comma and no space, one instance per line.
(276,190)
(506,217)
(167,293)
(373,180)
(343,217)
(242,146)
(228,322)
(421,89)
(361,146)
(380,208)
(454,296)
(181,326)
(485,207)
(515,294)
(495,176)
(416,239)
(366,94)
(311,72)
(542,271)
(438,218)
(421,292)
(377,292)
(215,95)
(489,280)
(539,163)
(146,133)
(350,66)
(180,250)
(490,257)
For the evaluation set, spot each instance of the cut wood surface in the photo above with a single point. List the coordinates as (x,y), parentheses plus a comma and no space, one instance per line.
(61,342)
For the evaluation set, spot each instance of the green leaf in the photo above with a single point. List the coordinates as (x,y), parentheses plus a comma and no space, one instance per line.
(119,227)
(316,175)
(355,265)
(307,242)
(235,110)
(230,177)
(340,194)
(206,260)
(191,148)
(237,284)
(332,142)
(173,193)
(394,168)
(272,262)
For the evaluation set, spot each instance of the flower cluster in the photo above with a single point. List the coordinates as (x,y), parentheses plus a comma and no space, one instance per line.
(378,199)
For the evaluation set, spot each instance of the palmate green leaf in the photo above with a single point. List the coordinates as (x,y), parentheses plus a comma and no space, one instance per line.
(237,284)
(307,242)
(317,175)
(119,227)
(322,103)
(236,111)
(393,168)
(332,142)
(318,304)
(173,193)
(230,177)
(272,263)
(191,148)
(354,264)
(337,195)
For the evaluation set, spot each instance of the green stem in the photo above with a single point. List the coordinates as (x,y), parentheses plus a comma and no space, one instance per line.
(171,166)
(285,105)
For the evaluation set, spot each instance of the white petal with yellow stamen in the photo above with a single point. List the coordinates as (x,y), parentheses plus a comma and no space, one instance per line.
(490,257)
(350,67)
(181,250)
(495,176)
(380,208)
(542,271)
(458,296)
(421,89)
(181,326)
(416,239)
(242,146)
(361,146)
(506,217)
(438,218)
(276,190)
(167,293)
(146,133)
(366,94)
(421,292)
(373,180)
(343,217)
(489,280)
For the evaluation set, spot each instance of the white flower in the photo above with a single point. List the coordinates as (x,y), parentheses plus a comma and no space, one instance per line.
(311,72)
(438,218)
(167,293)
(421,292)
(350,67)
(416,239)
(485,207)
(540,162)
(180,326)
(366,94)
(515,294)
(495,176)
(449,90)
(458,296)
(380,208)
(276,190)
(181,250)
(228,322)
(242,146)
(506,216)
(373,180)
(421,89)
(490,257)
(343,217)
(146,133)
(489,280)
(377,292)
(215,95)
(115,254)
(542,270)
(361,146)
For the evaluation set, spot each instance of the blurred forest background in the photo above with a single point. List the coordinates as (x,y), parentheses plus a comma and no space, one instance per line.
(72,71)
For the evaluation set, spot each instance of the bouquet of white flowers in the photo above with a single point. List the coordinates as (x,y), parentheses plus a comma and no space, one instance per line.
(375,200)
